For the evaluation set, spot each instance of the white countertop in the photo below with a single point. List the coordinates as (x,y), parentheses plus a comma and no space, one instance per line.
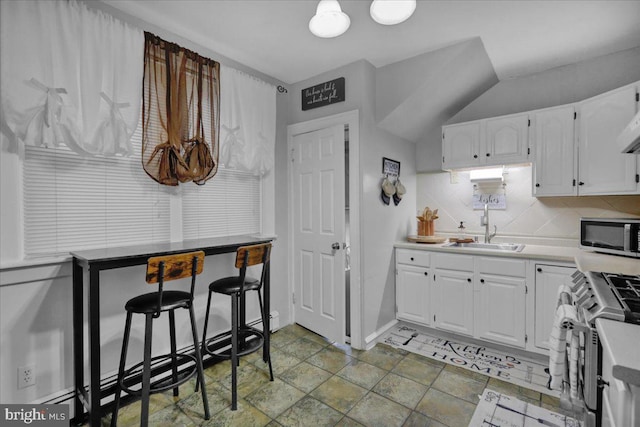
(621,341)
(552,253)
(584,260)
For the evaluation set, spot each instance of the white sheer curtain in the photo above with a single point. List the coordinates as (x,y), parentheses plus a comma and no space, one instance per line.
(69,75)
(247,122)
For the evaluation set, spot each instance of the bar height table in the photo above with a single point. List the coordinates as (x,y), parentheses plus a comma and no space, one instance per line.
(95,260)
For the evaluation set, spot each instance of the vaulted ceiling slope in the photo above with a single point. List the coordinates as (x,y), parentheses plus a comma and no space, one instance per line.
(425,91)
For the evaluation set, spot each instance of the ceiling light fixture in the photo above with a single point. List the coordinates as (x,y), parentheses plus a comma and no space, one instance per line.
(329,20)
(392,12)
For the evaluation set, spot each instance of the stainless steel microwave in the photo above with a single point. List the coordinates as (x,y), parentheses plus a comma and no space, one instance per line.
(618,236)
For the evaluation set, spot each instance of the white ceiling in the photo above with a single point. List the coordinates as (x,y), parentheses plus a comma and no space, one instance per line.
(520,37)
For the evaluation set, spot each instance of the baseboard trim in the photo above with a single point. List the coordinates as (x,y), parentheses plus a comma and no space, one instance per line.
(371,340)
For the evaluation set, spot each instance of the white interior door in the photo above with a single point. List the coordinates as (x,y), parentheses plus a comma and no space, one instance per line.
(319,231)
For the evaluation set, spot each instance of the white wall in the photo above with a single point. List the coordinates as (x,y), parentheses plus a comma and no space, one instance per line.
(549,220)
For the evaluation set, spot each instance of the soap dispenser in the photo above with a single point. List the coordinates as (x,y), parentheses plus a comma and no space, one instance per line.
(462,231)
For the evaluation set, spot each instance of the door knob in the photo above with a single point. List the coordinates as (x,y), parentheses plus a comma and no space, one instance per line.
(335,246)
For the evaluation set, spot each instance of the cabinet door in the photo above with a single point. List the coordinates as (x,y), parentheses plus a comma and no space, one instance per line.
(548,280)
(453,301)
(461,145)
(413,286)
(507,140)
(499,309)
(603,169)
(554,172)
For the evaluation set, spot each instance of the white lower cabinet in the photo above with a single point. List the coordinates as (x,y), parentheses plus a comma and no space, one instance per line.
(500,300)
(453,300)
(548,280)
(413,286)
(477,296)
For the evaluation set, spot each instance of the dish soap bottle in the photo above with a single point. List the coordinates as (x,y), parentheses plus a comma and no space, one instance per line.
(462,231)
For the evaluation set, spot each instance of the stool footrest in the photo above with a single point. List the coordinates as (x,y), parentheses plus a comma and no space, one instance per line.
(249,341)
(167,382)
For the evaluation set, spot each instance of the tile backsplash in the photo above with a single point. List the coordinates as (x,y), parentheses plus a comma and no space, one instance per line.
(548,218)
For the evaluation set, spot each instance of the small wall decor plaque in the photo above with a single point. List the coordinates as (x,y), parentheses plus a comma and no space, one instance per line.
(390,167)
(323,94)
(495,201)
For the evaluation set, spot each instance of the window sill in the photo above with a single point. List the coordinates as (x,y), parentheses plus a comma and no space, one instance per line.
(34,262)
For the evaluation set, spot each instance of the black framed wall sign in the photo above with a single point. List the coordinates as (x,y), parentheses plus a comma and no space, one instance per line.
(390,167)
(323,94)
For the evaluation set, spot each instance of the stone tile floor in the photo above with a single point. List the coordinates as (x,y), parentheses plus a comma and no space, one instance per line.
(318,383)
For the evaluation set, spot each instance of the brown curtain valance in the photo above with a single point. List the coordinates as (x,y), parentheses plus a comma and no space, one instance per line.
(180,113)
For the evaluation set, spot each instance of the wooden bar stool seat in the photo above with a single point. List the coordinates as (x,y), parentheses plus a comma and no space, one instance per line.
(244,339)
(152,305)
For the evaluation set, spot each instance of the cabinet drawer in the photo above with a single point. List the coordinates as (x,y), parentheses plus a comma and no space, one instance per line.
(502,266)
(454,262)
(407,256)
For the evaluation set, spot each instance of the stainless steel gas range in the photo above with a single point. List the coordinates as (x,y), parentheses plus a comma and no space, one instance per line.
(601,295)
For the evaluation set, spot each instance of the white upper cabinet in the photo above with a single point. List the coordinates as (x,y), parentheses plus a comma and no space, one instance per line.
(507,140)
(495,141)
(461,145)
(602,168)
(573,147)
(552,136)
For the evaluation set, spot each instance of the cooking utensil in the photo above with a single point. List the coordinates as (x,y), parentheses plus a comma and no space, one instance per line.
(413,335)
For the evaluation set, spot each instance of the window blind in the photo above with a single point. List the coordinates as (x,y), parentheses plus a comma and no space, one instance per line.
(229,204)
(73,202)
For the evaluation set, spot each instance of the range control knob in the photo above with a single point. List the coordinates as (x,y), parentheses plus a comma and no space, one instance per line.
(586,298)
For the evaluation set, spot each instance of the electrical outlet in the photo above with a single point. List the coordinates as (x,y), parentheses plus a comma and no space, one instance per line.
(26,376)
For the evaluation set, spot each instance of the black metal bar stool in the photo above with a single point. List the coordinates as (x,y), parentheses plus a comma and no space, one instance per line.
(159,270)
(244,339)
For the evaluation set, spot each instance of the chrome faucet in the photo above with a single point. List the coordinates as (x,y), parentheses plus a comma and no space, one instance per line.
(484,220)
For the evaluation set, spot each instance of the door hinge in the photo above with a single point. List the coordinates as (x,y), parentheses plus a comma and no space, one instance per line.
(574,182)
(637,178)
(442,159)
(529,123)
(528,151)
(293,155)
(526,338)
(434,317)
(526,290)
(442,135)
(575,115)
(637,97)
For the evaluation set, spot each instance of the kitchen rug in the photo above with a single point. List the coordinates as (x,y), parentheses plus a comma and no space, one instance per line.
(517,370)
(499,410)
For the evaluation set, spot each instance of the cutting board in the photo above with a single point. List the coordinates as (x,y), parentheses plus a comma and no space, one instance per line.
(453,240)
(426,239)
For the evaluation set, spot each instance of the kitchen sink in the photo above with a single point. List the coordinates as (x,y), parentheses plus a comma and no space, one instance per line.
(507,247)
